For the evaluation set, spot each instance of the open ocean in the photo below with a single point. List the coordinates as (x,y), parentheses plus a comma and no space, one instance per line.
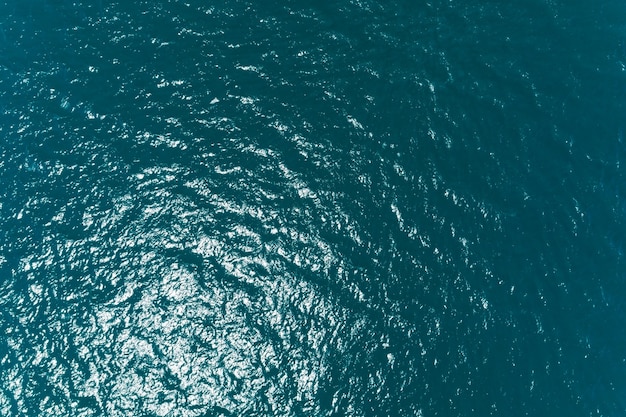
(356,208)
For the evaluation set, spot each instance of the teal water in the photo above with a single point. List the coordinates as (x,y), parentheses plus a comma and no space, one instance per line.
(351,208)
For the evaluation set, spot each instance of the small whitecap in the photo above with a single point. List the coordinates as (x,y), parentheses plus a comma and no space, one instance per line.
(354,122)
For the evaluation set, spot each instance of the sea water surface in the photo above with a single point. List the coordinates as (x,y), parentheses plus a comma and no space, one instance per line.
(299,208)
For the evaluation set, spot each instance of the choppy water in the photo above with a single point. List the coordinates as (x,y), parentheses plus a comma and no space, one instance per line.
(350,208)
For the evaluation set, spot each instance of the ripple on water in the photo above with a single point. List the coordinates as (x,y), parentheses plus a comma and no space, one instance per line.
(289,210)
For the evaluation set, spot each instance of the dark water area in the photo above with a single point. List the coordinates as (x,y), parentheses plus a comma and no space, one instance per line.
(355,208)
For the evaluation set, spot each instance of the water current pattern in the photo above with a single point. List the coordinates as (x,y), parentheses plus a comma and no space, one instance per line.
(345,208)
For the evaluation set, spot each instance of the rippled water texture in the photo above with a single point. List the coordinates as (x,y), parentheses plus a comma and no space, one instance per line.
(347,208)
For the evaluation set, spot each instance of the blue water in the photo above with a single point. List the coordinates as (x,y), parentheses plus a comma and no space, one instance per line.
(347,208)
